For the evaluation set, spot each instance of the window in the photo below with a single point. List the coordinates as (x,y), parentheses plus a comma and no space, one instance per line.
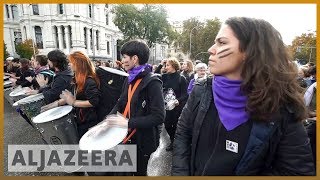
(22,9)
(85,38)
(107,6)
(97,39)
(56,36)
(17,37)
(90,11)
(107,19)
(63,32)
(60,8)
(91,39)
(108,47)
(162,51)
(25,31)
(38,34)
(70,32)
(14,10)
(7,11)
(35,9)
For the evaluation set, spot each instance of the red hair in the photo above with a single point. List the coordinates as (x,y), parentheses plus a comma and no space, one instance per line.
(84,68)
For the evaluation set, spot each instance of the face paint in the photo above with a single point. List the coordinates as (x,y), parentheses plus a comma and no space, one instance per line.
(226,53)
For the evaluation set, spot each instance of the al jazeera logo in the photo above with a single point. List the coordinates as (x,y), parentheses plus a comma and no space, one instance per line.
(69,158)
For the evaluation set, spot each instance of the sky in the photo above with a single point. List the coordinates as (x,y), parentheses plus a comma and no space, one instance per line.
(290,20)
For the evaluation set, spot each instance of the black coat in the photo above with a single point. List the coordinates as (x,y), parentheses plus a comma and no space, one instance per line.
(277,147)
(22,81)
(87,117)
(61,81)
(147,112)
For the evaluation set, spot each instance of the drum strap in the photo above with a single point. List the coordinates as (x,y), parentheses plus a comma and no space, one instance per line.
(126,112)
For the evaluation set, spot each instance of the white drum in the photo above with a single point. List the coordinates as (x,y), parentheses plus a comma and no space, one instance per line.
(107,139)
(18,93)
(57,126)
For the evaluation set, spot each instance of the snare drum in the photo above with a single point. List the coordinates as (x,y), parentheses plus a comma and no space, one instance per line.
(7,84)
(57,126)
(18,93)
(31,105)
(6,78)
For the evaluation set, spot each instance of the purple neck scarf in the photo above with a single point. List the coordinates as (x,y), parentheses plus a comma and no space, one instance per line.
(230,102)
(134,72)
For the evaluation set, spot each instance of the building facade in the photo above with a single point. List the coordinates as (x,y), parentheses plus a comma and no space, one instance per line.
(68,27)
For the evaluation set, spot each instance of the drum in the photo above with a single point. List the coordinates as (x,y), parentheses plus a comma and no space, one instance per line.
(18,93)
(58,126)
(6,78)
(108,138)
(31,105)
(111,82)
(7,84)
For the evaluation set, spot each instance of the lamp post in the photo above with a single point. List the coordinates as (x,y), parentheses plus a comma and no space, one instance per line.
(190,38)
(30,29)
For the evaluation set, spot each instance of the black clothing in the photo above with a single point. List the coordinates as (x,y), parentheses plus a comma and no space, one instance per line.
(212,145)
(147,112)
(277,147)
(178,84)
(188,76)
(61,81)
(25,73)
(87,117)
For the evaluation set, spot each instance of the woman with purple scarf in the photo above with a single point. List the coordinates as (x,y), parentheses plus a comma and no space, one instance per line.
(247,119)
(146,107)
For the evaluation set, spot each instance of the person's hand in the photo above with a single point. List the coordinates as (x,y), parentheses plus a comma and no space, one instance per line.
(29,78)
(68,97)
(41,80)
(49,106)
(117,121)
(31,92)
(176,102)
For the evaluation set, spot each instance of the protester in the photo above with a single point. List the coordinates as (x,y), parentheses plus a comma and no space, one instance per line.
(146,107)
(247,120)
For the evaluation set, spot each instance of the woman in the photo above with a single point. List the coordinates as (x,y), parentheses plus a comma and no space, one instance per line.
(86,94)
(247,120)
(175,91)
(187,70)
(201,73)
(146,107)
(25,72)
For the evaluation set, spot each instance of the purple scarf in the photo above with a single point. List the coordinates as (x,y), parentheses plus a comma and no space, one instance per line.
(38,70)
(229,101)
(134,72)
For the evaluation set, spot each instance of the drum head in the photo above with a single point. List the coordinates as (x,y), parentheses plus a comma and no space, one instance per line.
(52,114)
(6,77)
(114,71)
(29,99)
(7,83)
(107,139)
(18,91)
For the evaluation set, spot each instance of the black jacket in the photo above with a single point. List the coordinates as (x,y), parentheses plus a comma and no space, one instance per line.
(87,117)
(147,112)
(22,81)
(277,147)
(61,81)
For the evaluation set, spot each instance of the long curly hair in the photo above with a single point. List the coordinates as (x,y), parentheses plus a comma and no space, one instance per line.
(84,68)
(269,76)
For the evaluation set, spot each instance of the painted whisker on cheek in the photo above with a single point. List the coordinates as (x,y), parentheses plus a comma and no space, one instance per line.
(223,56)
(223,51)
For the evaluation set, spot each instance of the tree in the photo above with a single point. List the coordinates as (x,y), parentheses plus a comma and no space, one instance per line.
(148,23)
(201,34)
(6,54)
(303,48)
(25,49)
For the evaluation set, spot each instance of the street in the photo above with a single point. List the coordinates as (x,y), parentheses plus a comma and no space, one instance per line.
(18,131)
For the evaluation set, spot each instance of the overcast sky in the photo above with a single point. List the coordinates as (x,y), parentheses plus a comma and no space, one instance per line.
(289,19)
